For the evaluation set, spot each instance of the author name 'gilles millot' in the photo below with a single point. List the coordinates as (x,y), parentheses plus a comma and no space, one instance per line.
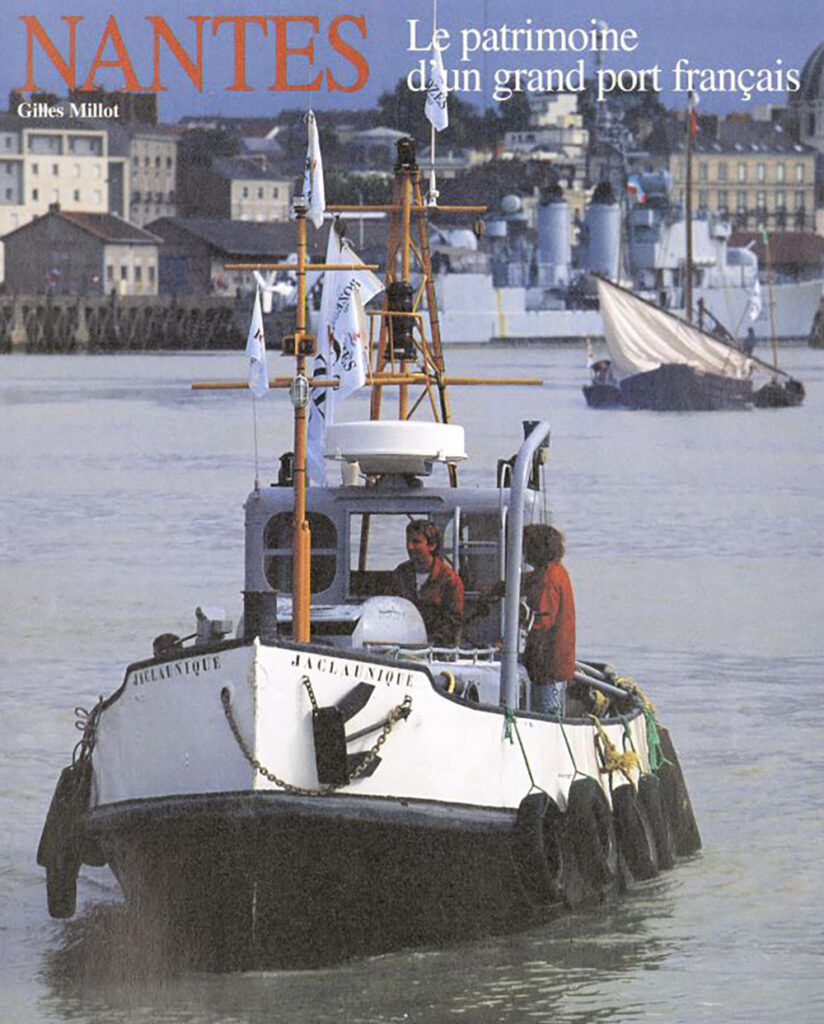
(91,110)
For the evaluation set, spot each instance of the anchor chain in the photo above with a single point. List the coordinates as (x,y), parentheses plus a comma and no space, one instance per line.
(400,711)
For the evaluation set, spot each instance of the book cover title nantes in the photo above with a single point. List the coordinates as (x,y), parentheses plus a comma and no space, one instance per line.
(345,54)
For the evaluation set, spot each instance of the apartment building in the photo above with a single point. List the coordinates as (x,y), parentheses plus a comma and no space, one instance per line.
(754,174)
(153,166)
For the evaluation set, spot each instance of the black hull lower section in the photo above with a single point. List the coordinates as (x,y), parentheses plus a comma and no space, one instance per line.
(673,388)
(245,879)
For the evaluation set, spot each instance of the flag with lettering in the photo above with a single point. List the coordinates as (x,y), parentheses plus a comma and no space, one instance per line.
(435,107)
(256,351)
(313,189)
(342,337)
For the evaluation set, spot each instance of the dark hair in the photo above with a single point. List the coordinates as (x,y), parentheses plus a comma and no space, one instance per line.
(543,544)
(426,528)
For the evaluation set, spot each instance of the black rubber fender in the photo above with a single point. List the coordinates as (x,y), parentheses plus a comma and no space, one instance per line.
(676,799)
(63,838)
(652,801)
(538,847)
(634,833)
(61,883)
(591,832)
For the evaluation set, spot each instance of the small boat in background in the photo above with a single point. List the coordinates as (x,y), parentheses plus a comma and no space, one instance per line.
(659,361)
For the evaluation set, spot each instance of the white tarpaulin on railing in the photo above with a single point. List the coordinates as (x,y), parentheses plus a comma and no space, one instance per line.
(641,337)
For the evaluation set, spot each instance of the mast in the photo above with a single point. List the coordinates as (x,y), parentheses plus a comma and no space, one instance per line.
(768,258)
(299,391)
(409,346)
(688,209)
(404,360)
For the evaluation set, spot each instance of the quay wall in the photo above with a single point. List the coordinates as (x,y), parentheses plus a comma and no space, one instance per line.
(69,323)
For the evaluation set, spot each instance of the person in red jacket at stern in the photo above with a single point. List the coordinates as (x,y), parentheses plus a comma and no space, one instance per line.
(549,654)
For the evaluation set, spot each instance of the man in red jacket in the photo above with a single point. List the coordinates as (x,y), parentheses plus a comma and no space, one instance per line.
(430,584)
(549,654)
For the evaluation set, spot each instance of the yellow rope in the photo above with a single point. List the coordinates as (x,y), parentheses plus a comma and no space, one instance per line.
(601,702)
(632,687)
(625,763)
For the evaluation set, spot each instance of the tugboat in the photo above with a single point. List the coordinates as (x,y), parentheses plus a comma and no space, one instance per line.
(324,780)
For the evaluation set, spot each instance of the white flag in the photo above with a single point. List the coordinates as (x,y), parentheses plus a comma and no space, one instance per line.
(342,336)
(753,310)
(435,108)
(256,351)
(313,190)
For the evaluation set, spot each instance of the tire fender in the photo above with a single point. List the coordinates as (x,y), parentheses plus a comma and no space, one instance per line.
(62,841)
(591,833)
(652,801)
(676,799)
(538,847)
(634,833)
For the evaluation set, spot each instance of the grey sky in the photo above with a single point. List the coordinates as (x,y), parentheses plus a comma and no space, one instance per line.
(707,33)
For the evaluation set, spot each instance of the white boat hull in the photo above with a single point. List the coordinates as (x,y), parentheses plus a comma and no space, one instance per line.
(239,868)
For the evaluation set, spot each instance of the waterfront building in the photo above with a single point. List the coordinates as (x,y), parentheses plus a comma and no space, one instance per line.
(235,188)
(69,252)
(153,166)
(57,160)
(754,173)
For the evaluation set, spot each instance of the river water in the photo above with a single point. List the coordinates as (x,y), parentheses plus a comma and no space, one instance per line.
(695,547)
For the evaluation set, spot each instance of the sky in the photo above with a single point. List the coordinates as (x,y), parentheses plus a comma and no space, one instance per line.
(756,41)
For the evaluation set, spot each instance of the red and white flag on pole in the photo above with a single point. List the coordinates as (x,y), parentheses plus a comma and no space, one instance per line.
(691,113)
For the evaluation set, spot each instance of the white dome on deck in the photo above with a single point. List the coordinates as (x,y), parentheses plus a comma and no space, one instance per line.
(395,446)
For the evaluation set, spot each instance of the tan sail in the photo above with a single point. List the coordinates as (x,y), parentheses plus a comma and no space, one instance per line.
(640,337)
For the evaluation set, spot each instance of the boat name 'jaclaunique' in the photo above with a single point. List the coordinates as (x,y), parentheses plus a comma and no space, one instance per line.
(359,670)
(176,669)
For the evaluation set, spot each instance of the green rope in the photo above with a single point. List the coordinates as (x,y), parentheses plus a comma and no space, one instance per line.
(627,737)
(509,722)
(512,724)
(656,758)
(560,716)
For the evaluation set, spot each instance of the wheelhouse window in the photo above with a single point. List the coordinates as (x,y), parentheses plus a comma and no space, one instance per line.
(377,543)
(470,543)
(278,545)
